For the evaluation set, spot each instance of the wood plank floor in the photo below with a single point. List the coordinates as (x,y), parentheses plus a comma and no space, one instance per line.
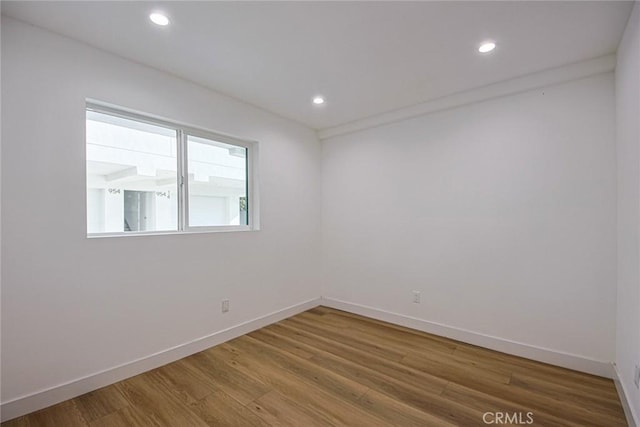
(326,367)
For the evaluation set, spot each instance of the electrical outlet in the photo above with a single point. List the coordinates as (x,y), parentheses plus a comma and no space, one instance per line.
(225,305)
(416,297)
(636,376)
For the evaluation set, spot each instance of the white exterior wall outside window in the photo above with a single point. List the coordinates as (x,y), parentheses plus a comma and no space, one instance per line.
(147,177)
(217,183)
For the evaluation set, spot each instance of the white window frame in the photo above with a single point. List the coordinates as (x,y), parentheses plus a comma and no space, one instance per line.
(182,133)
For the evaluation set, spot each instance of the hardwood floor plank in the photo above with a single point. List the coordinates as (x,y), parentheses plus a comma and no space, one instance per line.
(148,394)
(403,341)
(308,372)
(452,371)
(220,409)
(220,352)
(602,403)
(388,367)
(335,409)
(183,377)
(326,367)
(238,385)
(422,396)
(543,402)
(347,337)
(22,421)
(329,409)
(289,346)
(65,414)
(126,417)
(488,403)
(398,413)
(519,364)
(100,402)
(391,326)
(433,405)
(277,409)
(319,310)
(399,390)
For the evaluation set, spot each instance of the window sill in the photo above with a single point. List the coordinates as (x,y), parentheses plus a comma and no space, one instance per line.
(204,230)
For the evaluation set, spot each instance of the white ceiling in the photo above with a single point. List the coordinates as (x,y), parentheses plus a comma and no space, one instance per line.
(366,58)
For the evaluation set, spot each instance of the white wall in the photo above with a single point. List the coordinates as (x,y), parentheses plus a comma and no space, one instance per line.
(502,213)
(72,306)
(628,145)
(0,216)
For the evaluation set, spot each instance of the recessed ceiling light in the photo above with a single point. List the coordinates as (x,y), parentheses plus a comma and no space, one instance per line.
(486,47)
(159,19)
(318,100)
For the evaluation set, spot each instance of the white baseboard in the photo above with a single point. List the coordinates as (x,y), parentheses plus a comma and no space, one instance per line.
(632,417)
(553,357)
(44,398)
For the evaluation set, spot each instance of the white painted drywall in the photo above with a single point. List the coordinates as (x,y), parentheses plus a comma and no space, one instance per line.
(628,146)
(73,306)
(502,213)
(0,215)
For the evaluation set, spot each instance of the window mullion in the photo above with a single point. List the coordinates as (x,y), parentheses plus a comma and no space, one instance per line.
(182,181)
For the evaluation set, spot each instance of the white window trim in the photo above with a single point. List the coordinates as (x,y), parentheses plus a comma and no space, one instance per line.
(182,133)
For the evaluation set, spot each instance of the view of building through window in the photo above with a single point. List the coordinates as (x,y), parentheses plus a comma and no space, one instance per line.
(217,182)
(133,175)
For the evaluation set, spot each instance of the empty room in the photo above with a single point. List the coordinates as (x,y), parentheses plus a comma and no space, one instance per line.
(320,213)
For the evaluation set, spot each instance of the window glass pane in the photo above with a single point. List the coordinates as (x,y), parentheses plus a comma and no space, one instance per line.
(131,176)
(217,183)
